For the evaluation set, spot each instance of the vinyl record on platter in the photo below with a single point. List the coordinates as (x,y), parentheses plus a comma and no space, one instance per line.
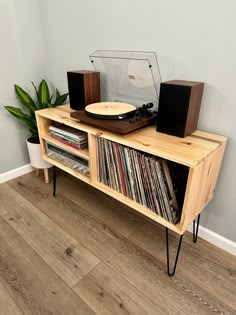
(110,110)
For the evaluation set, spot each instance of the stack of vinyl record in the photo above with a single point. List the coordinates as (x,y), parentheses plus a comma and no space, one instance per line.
(141,177)
(69,136)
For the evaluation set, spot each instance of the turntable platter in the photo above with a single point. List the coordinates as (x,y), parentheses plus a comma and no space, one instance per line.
(109,110)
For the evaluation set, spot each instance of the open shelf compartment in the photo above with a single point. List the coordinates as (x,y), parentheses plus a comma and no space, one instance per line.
(201,153)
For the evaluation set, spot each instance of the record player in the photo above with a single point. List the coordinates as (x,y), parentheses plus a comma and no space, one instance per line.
(130,83)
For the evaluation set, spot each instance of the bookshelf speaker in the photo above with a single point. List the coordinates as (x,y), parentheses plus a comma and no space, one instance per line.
(179,107)
(84,88)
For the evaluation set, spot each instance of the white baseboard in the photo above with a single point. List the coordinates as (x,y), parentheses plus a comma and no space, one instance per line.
(215,239)
(4,177)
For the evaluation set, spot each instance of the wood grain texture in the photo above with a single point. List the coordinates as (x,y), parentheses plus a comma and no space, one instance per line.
(201,152)
(108,293)
(201,185)
(84,88)
(98,237)
(43,125)
(138,207)
(92,157)
(192,195)
(7,304)
(67,169)
(83,153)
(148,274)
(189,151)
(205,278)
(98,206)
(110,108)
(66,256)
(179,107)
(212,270)
(118,126)
(102,207)
(32,284)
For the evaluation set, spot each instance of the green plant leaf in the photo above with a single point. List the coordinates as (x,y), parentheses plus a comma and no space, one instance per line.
(44,100)
(60,100)
(17,112)
(33,129)
(36,91)
(50,101)
(49,105)
(44,94)
(37,94)
(57,94)
(28,120)
(25,98)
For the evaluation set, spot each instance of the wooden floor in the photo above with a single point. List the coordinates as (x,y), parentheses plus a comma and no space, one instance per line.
(85,253)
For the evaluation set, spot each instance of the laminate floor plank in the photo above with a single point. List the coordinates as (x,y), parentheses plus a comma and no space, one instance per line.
(108,293)
(116,215)
(150,278)
(7,304)
(98,237)
(131,259)
(98,204)
(31,283)
(216,278)
(106,244)
(176,295)
(213,253)
(66,256)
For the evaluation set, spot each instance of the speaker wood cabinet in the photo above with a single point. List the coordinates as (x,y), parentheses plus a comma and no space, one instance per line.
(201,153)
(179,107)
(84,88)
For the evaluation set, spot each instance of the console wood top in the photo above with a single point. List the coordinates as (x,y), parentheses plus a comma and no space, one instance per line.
(189,151)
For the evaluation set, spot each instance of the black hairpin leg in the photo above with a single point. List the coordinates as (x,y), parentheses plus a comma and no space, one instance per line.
(54,177)
(167,253)
(195,234)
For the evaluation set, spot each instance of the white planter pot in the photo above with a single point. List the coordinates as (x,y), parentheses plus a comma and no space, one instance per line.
(35,155)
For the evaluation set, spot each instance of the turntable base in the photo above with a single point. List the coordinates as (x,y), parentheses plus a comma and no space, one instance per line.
(123,126)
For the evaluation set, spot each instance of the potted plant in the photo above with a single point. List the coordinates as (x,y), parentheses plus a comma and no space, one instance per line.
(43,100)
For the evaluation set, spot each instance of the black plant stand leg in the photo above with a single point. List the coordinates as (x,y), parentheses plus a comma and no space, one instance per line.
(167,253)
(196,234)
(54,177)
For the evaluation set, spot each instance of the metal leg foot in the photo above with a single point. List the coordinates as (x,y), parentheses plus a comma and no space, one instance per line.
(167,253)
(196,234)
(54,179)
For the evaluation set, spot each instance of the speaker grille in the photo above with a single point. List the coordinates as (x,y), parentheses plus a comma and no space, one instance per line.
(173,109)
(84,88)
(76,90)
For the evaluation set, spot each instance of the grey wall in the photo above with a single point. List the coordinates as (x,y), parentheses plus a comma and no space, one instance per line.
(21,61)
(194,40)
